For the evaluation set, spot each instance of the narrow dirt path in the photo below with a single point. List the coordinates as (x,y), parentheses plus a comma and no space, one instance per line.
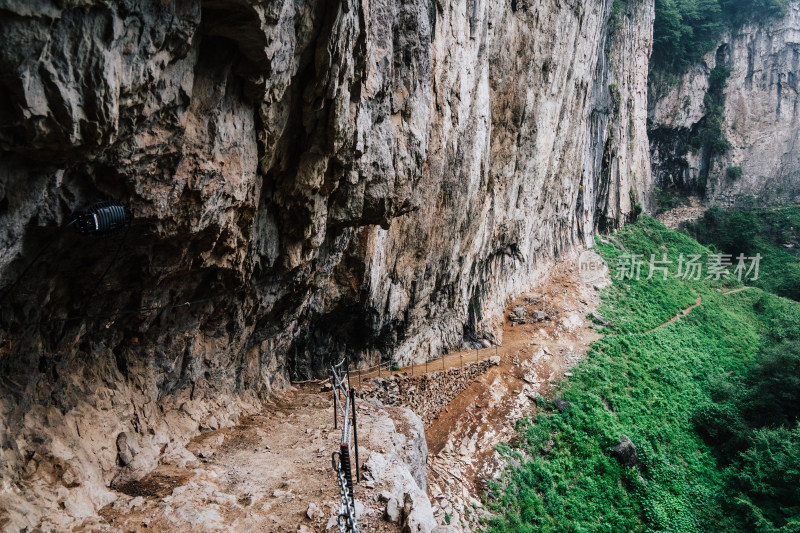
(462,440)
(260,475)
(681,314)
(736,290)
(689,309)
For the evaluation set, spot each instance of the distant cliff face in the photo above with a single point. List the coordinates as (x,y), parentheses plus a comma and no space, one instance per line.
(760,118)
(311,177)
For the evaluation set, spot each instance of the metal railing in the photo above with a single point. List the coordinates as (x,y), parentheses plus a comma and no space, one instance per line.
(344,407)
(431,364)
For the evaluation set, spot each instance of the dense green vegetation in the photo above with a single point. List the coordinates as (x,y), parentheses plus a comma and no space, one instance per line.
(752,423)
(739,11)
(775,234)
(685,30)
(669,198)
(667,389)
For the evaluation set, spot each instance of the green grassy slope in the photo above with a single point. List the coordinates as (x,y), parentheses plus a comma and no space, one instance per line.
(648,386)
(775,234)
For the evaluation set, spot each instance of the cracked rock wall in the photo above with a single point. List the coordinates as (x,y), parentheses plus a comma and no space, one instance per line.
(760,117)
(374,177)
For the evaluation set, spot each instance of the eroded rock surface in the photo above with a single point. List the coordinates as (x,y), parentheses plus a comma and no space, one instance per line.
(307,175)
(272,472)
(760,118)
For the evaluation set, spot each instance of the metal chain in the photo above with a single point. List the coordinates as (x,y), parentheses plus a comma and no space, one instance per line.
(346,521)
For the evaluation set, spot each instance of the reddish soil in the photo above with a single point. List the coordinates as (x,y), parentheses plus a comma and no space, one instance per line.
(533,357)
(262,474)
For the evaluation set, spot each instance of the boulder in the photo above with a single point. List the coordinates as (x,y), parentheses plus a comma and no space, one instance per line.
(518,314)
(393,512)
(417,513)
(625,452)
(561,405)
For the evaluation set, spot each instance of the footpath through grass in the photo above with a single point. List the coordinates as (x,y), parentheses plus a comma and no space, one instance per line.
(773,233)
(654,388)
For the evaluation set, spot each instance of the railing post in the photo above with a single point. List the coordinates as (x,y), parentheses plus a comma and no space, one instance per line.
(347,357)
(355,432)
(343,393)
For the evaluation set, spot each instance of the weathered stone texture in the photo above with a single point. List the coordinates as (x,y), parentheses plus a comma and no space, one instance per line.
(380,176)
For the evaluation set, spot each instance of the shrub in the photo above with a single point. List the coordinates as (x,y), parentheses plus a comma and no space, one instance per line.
(637,205)
(735,172)
(739,11)
(709,133)
(616,96)
(753,425)
(765,481)
(617,12)
(754,232)
(667,199)
(774,383)
(683,32)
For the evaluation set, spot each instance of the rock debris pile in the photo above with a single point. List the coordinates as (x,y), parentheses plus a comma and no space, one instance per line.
(428,394)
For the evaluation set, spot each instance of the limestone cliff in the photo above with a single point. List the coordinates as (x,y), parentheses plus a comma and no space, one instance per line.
(760,118)
(310,177)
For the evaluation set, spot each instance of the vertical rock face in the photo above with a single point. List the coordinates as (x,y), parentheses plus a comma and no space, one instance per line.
(760,118)
(306,178)
(540,141)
